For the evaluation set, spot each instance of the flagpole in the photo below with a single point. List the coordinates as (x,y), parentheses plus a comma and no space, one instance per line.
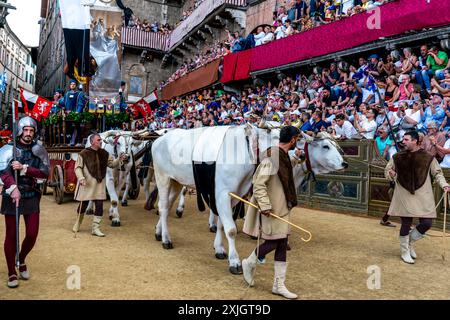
(11,98)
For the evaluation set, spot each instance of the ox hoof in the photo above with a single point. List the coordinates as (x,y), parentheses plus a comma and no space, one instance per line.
(179,213)
(115,224)
(89,212)
(236,270)
(221,256)
(158,237)
(110,217)
(253,238)
(124,203)
(157,212)
(149,207)
(213,229)
(167,245)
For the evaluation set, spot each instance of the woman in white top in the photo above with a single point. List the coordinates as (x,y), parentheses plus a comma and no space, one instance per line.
(269,35)
(413,116)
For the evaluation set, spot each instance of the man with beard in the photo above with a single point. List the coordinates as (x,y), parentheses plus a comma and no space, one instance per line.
(274,192)
(32,163)
(90,169)
(412,170)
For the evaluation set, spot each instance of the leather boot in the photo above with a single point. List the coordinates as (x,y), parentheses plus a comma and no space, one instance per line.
(77,225)
(248,268)
(414,236)
(96,227)
(404,249)
(279,279)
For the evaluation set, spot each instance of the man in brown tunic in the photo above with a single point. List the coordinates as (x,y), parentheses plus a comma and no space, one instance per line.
(412,170)
(90,169)
(274,192)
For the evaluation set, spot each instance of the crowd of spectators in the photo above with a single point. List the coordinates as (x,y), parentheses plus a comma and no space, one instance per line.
(145,25)
(298,16)
(211,53)
(189,11)
(295,17)
(377,98)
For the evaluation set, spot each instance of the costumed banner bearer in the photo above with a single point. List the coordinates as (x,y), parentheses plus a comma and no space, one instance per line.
(32,163)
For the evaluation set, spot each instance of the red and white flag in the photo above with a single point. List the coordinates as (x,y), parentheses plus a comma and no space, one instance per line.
(140,108)
(34,105)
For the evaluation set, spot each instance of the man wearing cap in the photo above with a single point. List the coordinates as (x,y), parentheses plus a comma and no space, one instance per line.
(32,163)
(71,97)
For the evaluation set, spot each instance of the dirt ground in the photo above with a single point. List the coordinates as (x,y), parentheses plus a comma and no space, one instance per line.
(130,264)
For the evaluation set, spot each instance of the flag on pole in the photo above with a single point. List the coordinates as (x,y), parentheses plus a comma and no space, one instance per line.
(140,109)
(34,105)
(76,20)
(17,107)
(152,100)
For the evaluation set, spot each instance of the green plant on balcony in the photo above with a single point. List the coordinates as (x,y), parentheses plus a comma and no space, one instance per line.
(87,117)
(74,117)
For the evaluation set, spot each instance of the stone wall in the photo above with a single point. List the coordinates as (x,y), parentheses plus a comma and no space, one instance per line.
(155,12)
(142,78)
(261,13)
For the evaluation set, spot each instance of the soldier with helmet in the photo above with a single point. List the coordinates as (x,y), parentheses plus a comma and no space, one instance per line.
(32,163)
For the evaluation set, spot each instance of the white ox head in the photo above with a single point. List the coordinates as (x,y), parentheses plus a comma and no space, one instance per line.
(119,142)
(324,153)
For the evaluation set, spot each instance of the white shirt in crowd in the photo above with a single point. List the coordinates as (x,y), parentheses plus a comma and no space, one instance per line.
(267,38)
(259,37)
(279,32)
(446,162)
(369,127)
(347,130)
(415,116)
(199,107)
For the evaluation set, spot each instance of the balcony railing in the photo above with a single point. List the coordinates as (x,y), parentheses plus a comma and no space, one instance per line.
(198,16)
(165,42)
(145,39)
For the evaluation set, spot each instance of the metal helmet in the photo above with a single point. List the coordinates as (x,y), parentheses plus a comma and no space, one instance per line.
(26,122)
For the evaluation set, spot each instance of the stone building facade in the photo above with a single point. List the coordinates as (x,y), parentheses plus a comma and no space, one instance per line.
(16,63)
(144,67)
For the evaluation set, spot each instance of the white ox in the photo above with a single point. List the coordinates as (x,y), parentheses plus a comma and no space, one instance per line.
(172,161)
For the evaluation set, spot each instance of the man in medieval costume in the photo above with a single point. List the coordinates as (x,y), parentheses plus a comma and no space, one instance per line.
(413,170)
(274,192)
(31,163)
(90,169)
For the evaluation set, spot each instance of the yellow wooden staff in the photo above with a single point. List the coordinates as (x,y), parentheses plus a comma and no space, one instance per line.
(274,215)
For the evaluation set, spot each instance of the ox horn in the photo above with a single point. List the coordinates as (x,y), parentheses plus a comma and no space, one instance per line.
(140,132)
(109,134)
(308,138)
